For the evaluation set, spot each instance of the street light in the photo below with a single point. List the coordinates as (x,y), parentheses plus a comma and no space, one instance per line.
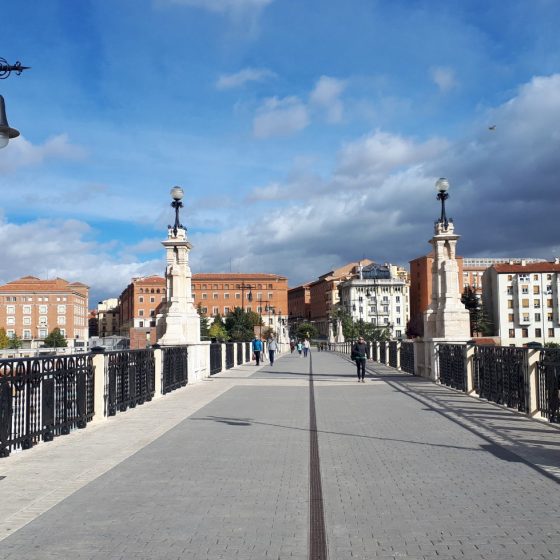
(442,186)
(6,132)
(176,194)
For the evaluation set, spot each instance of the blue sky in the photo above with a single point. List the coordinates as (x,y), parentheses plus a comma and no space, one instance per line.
(305,134)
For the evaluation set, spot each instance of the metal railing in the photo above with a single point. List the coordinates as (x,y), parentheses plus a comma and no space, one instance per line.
(175,372)
(548,384)
(41,398)
(453,365)
(382,353)
(215,358)
(501,375)
(247,351)
(374,353)
(407,357)
(239,353)
(230,355)
(130,379)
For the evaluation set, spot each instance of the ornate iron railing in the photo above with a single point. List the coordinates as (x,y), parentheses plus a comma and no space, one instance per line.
(383,352)
(452,365)
(501,375)
(407,357)
(548,383)
(41,398)
(374,352)
(247,351)
(215,358)
(175,368)
(393,351)
(239,353)
(230,357)
(130,379)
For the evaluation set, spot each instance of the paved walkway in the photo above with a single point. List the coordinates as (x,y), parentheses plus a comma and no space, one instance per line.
(273,462)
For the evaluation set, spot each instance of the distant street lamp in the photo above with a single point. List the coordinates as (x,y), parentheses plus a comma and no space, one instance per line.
(176,194)
(442,186)
(6,132)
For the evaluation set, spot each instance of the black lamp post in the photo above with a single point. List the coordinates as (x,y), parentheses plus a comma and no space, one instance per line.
(6,132)
(176,194)
(249,295)
(442,186)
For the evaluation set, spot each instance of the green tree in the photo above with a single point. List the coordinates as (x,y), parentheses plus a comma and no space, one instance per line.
(306,330)
(471,302)
(55,339)
(218,331)
(204,323)
(485,324)
(240,324)
(15,342)
(4,339)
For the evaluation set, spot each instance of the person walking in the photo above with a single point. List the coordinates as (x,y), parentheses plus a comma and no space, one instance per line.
(306,347)
(292,346)
(359,355)
(257,349)
(272,348)
(299,348)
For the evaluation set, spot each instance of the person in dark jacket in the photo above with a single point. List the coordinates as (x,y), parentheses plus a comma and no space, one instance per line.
(359,355)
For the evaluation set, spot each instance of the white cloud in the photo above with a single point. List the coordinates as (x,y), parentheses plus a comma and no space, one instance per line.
(223,6)
(326,94)
(23,153)
(280,117)
(229,81)
(444,78)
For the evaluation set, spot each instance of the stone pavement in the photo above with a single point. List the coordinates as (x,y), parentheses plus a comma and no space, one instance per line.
(396,467)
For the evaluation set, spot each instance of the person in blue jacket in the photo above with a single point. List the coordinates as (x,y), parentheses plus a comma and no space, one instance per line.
(257,349)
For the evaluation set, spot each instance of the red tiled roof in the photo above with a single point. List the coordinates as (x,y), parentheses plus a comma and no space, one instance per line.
(529,267)
(235,276)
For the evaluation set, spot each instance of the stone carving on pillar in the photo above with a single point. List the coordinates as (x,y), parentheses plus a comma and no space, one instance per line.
(179,322)
(331,333)
(446,318)
(339,333)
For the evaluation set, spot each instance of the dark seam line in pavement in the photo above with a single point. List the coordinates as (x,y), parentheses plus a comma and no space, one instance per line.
(506,451)
(317,535)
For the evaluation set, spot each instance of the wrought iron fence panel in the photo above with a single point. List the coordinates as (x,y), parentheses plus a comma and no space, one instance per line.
(130,379)
(374,352)
(239,353)
(215,358)
(247,351)
(501,375)
(383,353)
(452,365)
(43,397)
(407,357)
(393,350)
(548,383)
(175,368)
(230,355)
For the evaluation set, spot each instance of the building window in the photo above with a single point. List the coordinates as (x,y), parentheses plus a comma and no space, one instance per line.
(42,333)
(524,289)
(512,333)
(10,309)
(525,302)
(526,317)
(549,276)
(524,333)
(42,320)
(141,313)
(509,290)
(215,286)
(226,296)
(510,318)
(270,295)
(26,309)
(204,296)
(398,299)
(549,316)
(152,299)
(61,320)
(237,296)
(204,310)
(10,320)
(42,308)
(537,317)
(538,333)
(551,332)
(214,310)
(510,277)
(398,320)
(140,299)
(61,308)
(535,277)
(27,320)
(10,333)
(26,334)
(536,290)
(549,303)
(63,332)
(141,324)
(226,310)
(204,286)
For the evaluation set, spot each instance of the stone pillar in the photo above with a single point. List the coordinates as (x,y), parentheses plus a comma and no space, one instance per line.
(331,333)
(98,384)
(339,333)
(179,322)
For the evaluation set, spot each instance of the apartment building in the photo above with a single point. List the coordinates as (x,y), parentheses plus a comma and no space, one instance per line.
(31,308)
(108,317)
(378,294)
(523,301)
(266,294)
(299,303)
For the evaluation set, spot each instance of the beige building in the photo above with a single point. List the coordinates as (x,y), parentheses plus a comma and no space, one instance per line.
(31,308)
(108,317)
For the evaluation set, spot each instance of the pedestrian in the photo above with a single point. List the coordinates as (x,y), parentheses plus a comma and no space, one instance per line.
(306,347)
(257,349)
(359,355)
(292,346)
(272,347)
(299,347)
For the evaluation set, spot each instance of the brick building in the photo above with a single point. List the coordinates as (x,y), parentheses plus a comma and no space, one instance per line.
(31,308)
(299,303)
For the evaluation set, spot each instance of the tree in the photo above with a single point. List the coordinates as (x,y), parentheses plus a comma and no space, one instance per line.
(306,330)
(204,323)
(4,339)
(415,326)
(240,324)
(218,331)
(471,302)
(55,339)
(485,324)
(15,342)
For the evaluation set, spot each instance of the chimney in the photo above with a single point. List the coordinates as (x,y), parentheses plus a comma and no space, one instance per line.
(510,261)
(523,262)
(556,260)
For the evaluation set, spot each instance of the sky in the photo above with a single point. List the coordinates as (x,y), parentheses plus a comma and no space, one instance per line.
(305,134)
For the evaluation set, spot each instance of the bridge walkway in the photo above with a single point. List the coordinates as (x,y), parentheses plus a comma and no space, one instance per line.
(296,460)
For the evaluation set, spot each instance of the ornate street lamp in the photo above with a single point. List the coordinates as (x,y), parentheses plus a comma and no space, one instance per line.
(6,132)
(442,186)
(177,194)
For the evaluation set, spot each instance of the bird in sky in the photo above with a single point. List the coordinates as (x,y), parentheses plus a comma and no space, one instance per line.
(492,127)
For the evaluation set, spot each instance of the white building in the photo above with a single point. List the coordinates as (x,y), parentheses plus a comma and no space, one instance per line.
(522,301)
(379,295)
